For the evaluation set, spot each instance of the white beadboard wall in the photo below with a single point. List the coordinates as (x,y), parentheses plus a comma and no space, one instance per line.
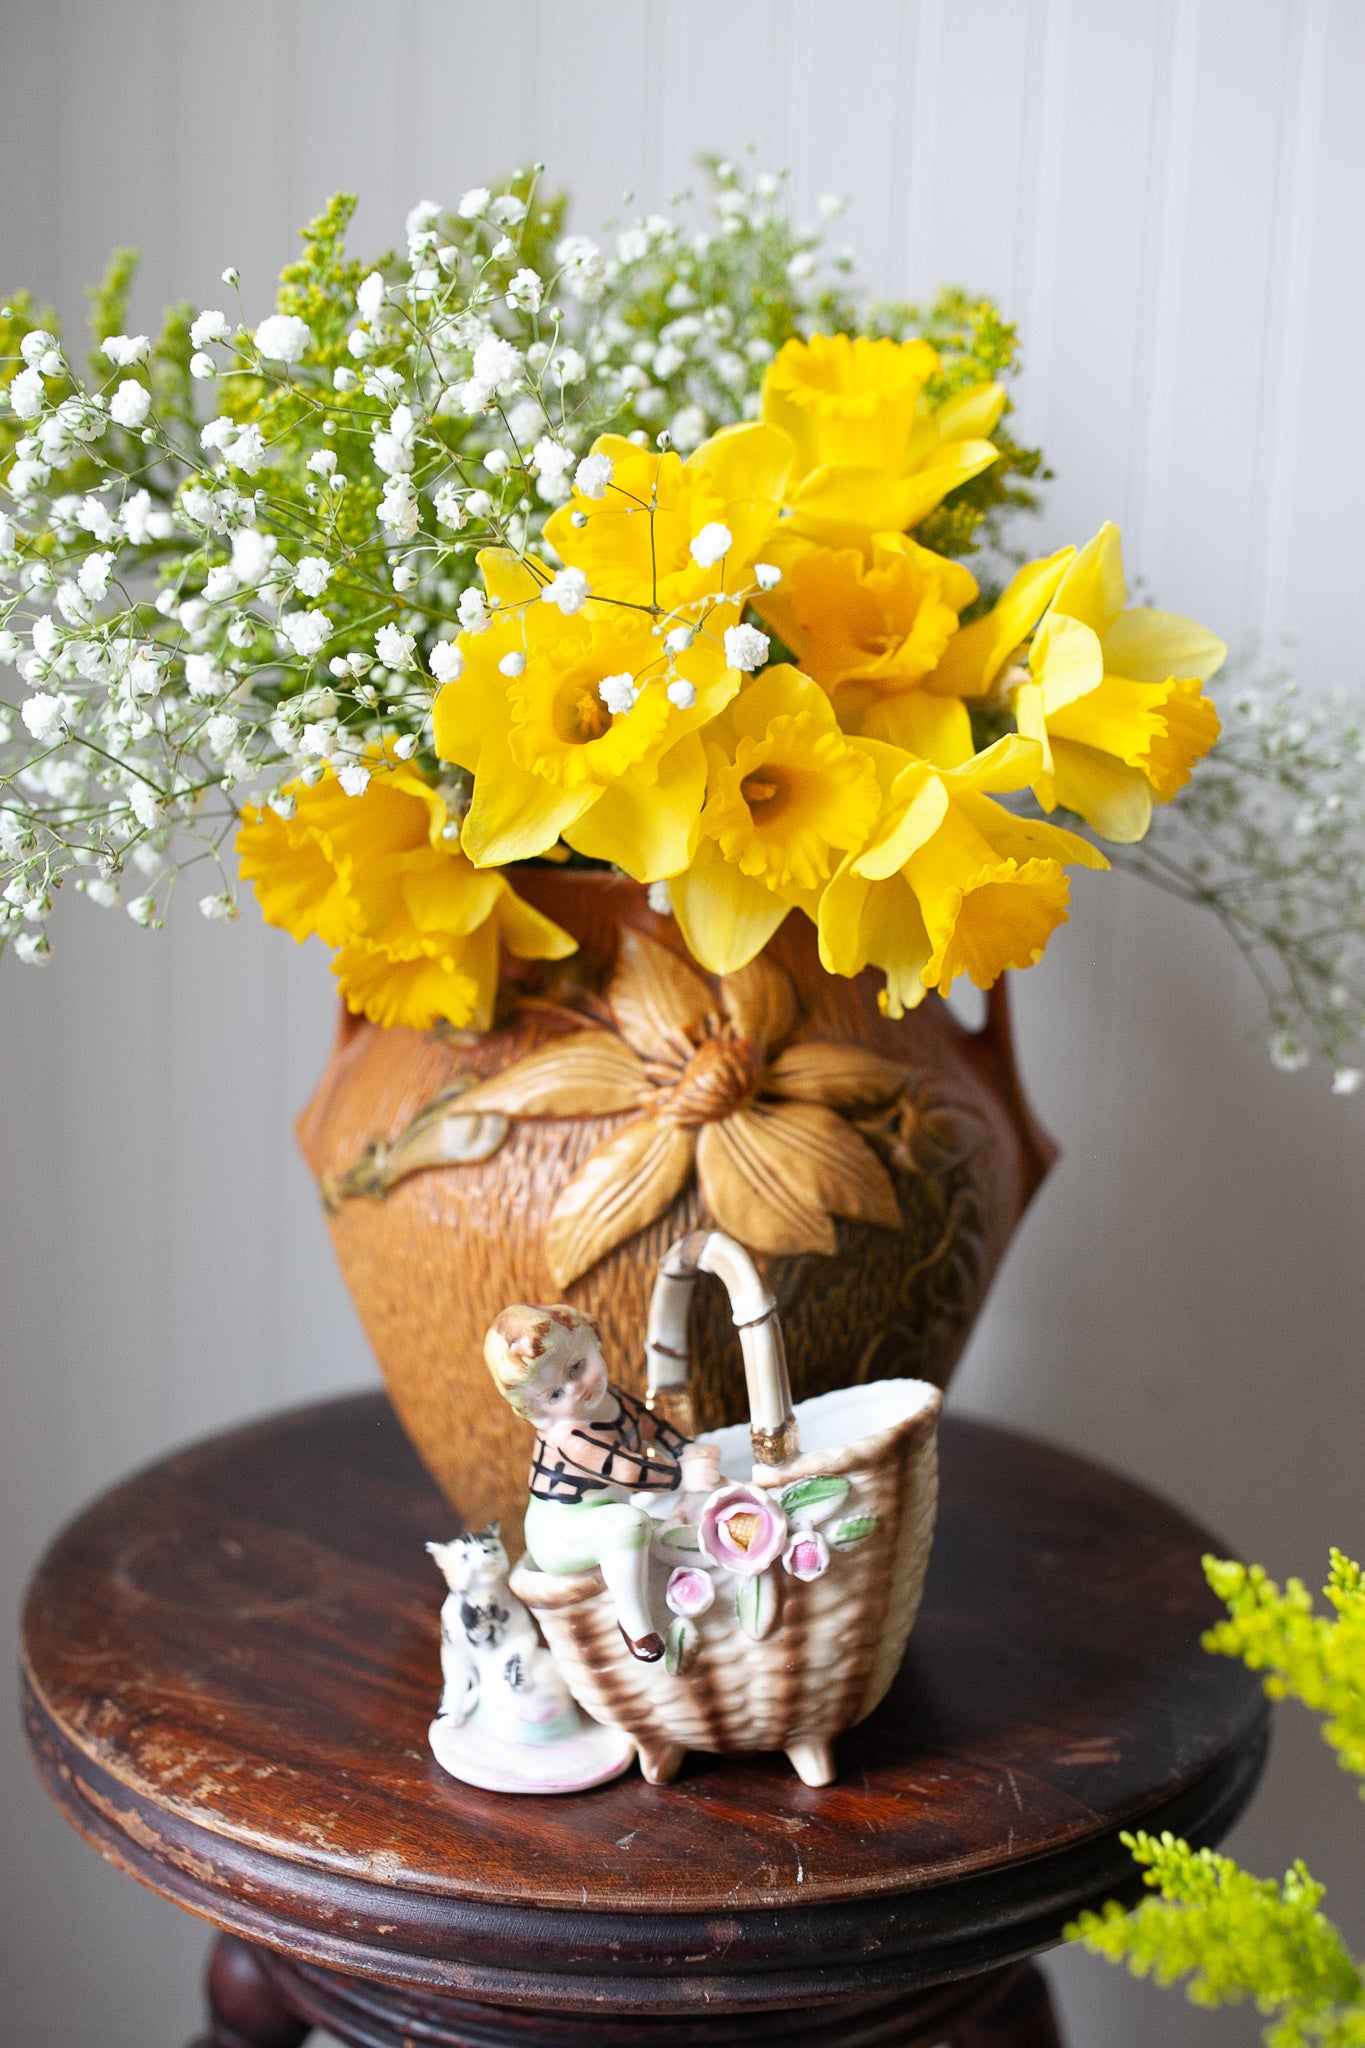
(1167,195)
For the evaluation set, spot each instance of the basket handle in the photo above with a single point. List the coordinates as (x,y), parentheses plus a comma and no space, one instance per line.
(668,1343)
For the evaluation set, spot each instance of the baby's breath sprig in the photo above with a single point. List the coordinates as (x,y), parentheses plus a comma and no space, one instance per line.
(1270,837)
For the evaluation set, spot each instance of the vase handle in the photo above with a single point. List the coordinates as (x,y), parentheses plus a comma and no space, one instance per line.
(995,1039)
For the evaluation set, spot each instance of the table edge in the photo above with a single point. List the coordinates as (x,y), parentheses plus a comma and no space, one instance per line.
(625,1959)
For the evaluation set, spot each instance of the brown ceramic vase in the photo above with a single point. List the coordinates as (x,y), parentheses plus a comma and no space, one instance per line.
(440,1218)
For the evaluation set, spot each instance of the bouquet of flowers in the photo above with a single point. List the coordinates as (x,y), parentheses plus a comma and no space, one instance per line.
(518,548)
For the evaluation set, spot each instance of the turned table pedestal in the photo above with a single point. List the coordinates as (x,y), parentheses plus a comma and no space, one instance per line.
(230,1663)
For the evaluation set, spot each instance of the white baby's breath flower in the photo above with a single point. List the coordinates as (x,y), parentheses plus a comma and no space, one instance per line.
(283,338)
(473,611)
(745,648)
(1287,1053)
(94,515)
(474,202)
(220,582)
(449,503)
(142,910)
(123,350)
(33,948)
(478,504)
(395,649)
(100,889)
(353,777)
(344,379)
(497,363)
(507,210)
(221,733)
(215,434)
(618,693)
(583,265)
(525,291)
(27,393)
(682,694)
(220,909)
(398,508)
(130,404)
(146,806)
(203,677)
(593,474)
(766,576)
(246,451)
(712,544)
(202,366)
(315,740)
(405,746)
(687,428)
(497,462)
(252,553)
(447,662)
(369,297)
(312,575)
(513,663)
(45,716)
(569,589)
(1346,1080)
(93,576)
(569,367)
(322,461)
(207,327)
(307,632)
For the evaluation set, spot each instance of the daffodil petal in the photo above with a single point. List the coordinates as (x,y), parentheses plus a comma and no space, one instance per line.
(977,653)
(515,815)
(938,729)
(1066,661)
(725,916)
(1152,647)
(1112,797)
(510,578)
(649,829)
(1093,588)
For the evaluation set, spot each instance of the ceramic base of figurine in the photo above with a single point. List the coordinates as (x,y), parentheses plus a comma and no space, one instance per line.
(586,1754)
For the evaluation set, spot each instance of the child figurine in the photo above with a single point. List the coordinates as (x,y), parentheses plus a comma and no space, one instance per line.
(595,1446)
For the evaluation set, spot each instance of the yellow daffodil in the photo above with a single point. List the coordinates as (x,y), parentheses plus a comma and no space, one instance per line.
(415,926)
(949,881)
(872,454)
(668,534)
(1113,697)
(871,626)
(581,727)
(785,791)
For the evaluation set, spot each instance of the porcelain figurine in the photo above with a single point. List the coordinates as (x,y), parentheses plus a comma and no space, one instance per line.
(783,1564)
(506,1721)
(595,1446)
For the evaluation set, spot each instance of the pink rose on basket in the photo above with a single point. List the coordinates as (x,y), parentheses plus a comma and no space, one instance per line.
(689,1591)
(807,1555)
(742,1529)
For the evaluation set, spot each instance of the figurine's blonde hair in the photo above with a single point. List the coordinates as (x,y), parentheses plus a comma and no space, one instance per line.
(518,1340)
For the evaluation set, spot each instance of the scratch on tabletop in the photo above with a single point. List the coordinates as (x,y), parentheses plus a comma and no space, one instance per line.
(624,1841)
(1014,1788)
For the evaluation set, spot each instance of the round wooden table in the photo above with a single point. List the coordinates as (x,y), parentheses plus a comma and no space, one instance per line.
(230,1663)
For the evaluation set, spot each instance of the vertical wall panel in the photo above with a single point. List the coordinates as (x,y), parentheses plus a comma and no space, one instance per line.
(1166,194)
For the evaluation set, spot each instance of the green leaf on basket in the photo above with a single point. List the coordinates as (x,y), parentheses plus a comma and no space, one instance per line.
(854,1529)
(810,1500)
(756,1604)
(680,1537)
(679,1643)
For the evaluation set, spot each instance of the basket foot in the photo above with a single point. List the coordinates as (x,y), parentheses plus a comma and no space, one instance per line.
(813,1762)
(661,1761)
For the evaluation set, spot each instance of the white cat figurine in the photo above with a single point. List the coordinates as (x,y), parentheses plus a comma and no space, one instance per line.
(506,1721)
(492,1657)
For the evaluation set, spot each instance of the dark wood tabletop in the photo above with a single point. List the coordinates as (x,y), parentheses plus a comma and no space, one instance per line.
(230,1663)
